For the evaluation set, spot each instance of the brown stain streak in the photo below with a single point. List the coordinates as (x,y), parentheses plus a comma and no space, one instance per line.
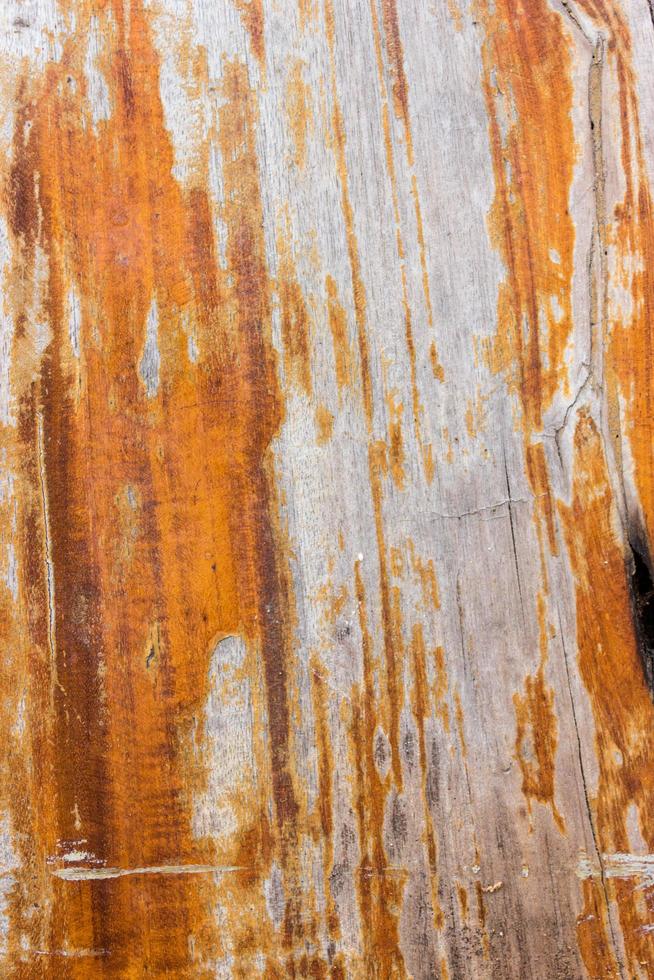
(251,12)
(391,633)
(530,222)
(379,893)
(296,325)
(136,619)
(400,92)
(421,712)
(298,112)
(340,341)
(325,783)
(425,449)
(536,731)
(528,88)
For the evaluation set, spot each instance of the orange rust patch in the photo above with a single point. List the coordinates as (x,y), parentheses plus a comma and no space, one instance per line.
(470,423)
(298,112)
(629,232)
(397,562)
(528,90)
(593,934)
(377,461)
(539,481)
(536,728)
(325,788)
(481,908)
(307,11)
(296,334)
(529,96)
(427,576)
(147,517)
(421,711)
(440,687)
(396,58)
(436,366)
(396,443)
(324,425)
(425,449)
(475,416)
(610,668)
(251,12)
(379,888)
(460,723)
(463,901)
(338,326)
(455,14)
(358,288)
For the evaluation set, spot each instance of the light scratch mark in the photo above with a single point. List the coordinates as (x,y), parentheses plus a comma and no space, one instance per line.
(619,865)
(101,874)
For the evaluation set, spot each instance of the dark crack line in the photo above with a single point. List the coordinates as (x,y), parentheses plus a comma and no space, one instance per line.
(513,541)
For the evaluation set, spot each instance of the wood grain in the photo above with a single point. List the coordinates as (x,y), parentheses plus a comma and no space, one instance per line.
(326,489)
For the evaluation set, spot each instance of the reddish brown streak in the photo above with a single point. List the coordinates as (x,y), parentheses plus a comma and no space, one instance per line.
(148,521)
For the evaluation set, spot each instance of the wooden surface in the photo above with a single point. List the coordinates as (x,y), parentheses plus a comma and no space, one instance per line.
(326,488)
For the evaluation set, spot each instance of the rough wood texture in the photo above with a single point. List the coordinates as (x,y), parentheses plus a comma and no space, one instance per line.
(326,488)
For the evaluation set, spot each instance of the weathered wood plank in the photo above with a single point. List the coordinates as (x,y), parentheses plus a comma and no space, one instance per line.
(326,488)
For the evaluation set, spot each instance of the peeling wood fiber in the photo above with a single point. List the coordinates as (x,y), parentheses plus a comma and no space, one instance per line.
(326,489)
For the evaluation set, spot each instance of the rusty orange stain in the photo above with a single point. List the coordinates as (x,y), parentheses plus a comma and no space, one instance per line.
(593,933)
(343,355)
(610,668)
(150,529)
(440,687)
(126,585)
(475,417)
(395,53)
(449,444)
(537,472)
(379,887)
(396,455)
(400,97)
(458,707)
(354,258)
(333,601)
(295,320)
(629,234)
(527,84)
(462,894)
(426,573)
(536,731)
(397,561)
(298,111)
(436,366)
(324,425)
(470,421)
(422,711)
(393,45)
(325,802)
(455,13)
(393,645)
(307,11)
(251,12)
(528,90)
